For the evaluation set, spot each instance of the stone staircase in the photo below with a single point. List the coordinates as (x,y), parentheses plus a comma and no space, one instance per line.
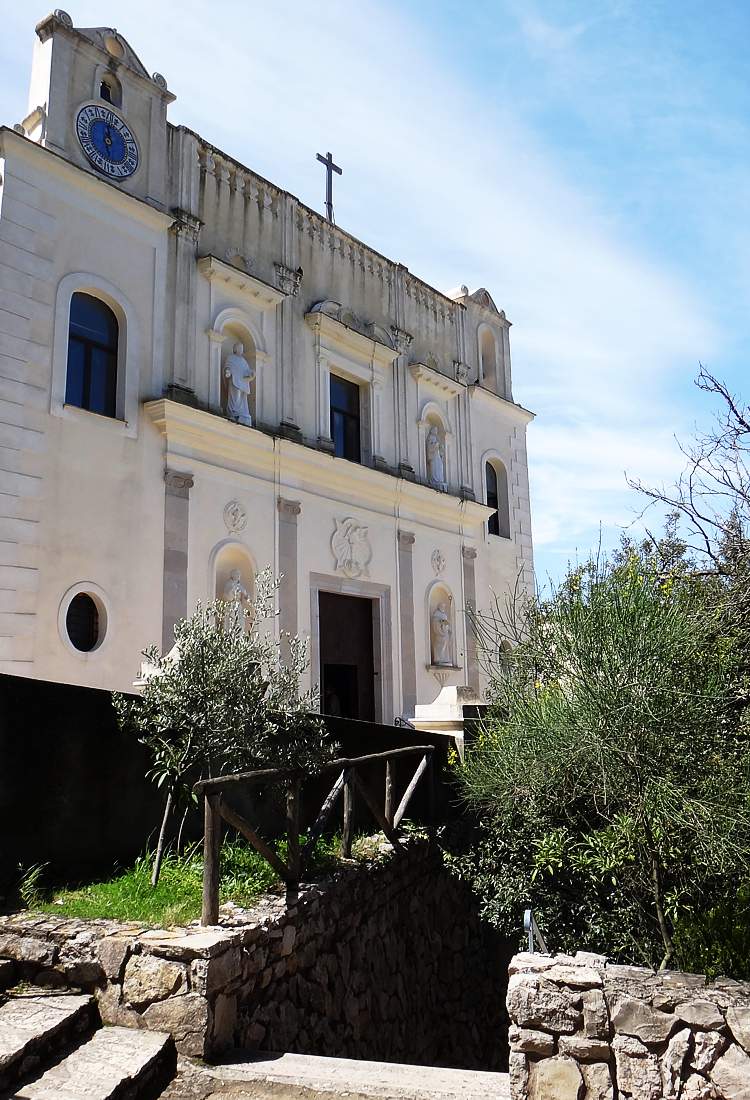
(263,1076)
(53,1047)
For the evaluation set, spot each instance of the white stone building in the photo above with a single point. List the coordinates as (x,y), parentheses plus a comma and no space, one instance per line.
(133,257)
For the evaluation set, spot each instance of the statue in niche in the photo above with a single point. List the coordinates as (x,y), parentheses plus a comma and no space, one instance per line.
(435,458)
(239,374)
(441,635)
(235,596)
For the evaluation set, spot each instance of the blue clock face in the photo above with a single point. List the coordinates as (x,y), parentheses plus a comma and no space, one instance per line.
(107,141)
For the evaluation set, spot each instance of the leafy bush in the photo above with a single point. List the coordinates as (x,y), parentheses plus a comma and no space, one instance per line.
(223,700)
(610,779)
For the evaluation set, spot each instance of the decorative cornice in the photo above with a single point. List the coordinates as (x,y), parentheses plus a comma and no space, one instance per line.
(420,372)
(195,436)
(263,295)
(480,393)
(344,338)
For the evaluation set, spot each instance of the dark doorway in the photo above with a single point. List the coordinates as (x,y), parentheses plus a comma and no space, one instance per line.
(347,670)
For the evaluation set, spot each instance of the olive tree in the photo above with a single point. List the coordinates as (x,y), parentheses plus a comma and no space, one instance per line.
(609,778)
(223,700)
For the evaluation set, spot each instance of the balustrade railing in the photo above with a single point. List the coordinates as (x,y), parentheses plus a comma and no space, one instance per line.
(349,782)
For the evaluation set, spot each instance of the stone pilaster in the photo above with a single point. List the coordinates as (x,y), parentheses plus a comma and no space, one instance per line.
(185,231)
(468,557)
(406,621)
(177,486)
(288,511)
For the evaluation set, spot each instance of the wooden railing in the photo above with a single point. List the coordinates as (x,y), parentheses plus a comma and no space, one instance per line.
(349,781)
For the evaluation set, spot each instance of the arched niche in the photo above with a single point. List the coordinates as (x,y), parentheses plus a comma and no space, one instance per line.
(496,494)
(434,426)
(440,609)
(233,326)
(489,360)
(227,558)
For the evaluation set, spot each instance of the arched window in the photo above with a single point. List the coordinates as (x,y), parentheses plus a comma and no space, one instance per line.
(93,333)
(109,90)
(496,484)
(488,353)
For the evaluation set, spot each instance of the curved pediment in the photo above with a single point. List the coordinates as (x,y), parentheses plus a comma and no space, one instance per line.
(483,298)
(113,43)
(351,320)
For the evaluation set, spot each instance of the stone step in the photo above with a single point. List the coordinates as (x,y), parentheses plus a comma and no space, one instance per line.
(284,1076)
(35,1027)
(116,1062)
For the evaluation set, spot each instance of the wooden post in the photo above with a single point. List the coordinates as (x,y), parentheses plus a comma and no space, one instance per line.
(431,790)
(389,792)
(346,832)
(292,832)
(211,846)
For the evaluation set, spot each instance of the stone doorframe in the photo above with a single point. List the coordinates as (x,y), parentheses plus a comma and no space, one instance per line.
(382,649)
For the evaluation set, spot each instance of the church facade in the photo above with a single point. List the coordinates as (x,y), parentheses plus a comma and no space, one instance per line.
(201,377)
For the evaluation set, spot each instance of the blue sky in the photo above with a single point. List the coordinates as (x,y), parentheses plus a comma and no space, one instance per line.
(586,162)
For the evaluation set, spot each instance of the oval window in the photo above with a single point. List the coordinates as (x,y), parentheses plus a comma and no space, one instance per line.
(82,622)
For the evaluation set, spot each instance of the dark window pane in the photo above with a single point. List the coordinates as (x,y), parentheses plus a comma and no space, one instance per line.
(102,387)
(345,418)
(82,622)
(493,523)
(352,439)
(338,433)
(344,395)
(74,380)
(91,381)
(105,91)
(93,320)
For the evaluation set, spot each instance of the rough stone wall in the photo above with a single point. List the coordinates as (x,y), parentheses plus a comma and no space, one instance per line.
(585,1029)
(387,960)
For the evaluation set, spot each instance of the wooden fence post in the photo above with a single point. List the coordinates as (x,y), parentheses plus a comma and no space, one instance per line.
(292,832)
(211,846)
(389,792)
(346,832)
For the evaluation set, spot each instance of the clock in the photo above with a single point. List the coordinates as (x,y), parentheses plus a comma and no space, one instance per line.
(107,141)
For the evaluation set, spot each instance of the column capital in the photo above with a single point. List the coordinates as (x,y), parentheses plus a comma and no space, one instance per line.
(186,225)
(215,336)
(469,553)
(406,539)
(402,339)
(288,279)
(178,483)
(288,507)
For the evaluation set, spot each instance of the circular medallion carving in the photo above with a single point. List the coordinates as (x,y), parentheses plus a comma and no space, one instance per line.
(235,517)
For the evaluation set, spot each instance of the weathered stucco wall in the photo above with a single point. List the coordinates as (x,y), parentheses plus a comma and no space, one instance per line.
(586,1029)
(388,960)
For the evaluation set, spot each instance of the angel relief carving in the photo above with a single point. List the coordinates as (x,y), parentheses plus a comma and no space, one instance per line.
(351,547)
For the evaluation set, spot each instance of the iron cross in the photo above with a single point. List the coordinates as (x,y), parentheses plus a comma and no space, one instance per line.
(330,169)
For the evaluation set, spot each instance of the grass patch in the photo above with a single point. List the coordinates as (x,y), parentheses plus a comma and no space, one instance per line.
(176,899)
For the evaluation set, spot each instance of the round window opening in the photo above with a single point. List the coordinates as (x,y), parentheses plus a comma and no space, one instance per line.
(82,623)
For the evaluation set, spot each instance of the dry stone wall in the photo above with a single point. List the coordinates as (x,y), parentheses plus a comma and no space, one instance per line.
(386,960)
(585,1029)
